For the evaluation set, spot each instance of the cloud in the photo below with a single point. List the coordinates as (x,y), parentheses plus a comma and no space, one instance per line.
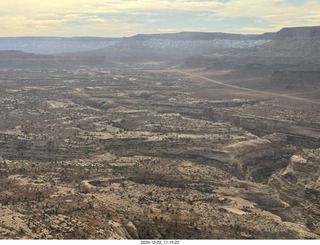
(277,12)
(23,25)
(254,29)
(119,17)
(180,5)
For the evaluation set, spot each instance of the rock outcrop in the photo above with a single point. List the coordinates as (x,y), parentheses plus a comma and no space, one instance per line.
(299,186)
(126,231)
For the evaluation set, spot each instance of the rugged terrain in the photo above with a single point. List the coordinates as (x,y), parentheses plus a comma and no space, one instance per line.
(139,153)
(97,150)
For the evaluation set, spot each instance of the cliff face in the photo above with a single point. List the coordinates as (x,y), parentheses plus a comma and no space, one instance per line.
(302,172)
(299,186)
(299,42)
(298,33)
(289,46)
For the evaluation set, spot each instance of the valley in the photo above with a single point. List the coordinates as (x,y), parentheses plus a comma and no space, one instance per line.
(136,152)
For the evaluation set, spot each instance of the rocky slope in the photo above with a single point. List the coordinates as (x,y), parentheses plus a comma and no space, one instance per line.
(127,153)
(132,153)
(299,186)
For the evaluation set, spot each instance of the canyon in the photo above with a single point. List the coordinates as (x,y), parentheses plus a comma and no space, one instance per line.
(218,144)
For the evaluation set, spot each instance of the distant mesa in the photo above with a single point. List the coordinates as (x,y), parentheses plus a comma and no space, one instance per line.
(176,47)
(299,33)
(195,49)
(201,36)
(138,48)
(302,42)
(289,46)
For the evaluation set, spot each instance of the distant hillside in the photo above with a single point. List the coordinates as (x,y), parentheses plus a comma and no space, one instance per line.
(290,45)
(55,45)
(289,63)
(19,60)
(201,36)
(13,59)
(176,46)
(300,42)
(138,48)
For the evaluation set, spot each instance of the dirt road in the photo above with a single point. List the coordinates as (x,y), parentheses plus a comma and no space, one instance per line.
(195,76)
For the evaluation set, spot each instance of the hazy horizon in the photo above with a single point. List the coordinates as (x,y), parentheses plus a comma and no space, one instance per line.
(119,37)
(117,18)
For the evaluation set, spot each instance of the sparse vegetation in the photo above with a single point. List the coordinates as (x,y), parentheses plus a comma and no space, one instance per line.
(135,151)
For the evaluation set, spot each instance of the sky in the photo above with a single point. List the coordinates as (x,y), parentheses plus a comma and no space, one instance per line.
(118,18)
